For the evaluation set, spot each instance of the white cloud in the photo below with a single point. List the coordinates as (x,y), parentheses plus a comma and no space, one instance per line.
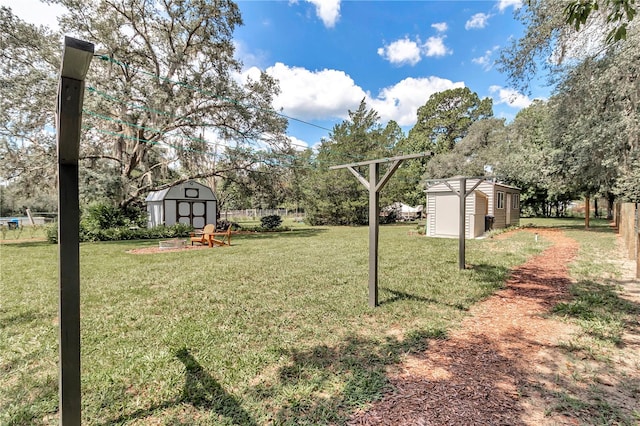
(311,95)
(35,12)
(435,46)
(401,52)
(406,51)
(330,94)
(477,21)
(298,144)
(441,27)
(328,11)
(485,61)
(401,101)
(504,4)
(509,97)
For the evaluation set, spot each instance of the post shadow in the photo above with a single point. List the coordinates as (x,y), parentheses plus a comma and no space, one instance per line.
(200,390)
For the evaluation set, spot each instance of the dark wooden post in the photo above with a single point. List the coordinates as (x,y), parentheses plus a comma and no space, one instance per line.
(76,58)
(462,224)
(375,186)
(374,222)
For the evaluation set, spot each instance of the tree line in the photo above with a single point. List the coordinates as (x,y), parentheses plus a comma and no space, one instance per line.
(164,105)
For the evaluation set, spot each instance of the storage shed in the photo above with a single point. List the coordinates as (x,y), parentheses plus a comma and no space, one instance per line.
(491,205)
(188,202)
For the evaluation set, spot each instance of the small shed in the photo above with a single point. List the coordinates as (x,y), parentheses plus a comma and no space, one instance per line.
(491,205)
(189,202)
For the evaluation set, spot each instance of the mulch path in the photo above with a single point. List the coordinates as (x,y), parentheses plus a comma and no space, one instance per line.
(477,375)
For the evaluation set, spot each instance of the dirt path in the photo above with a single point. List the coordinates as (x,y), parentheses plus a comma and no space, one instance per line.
(490,371)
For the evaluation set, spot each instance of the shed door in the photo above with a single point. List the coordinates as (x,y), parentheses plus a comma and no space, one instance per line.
(447,214)
(192,212)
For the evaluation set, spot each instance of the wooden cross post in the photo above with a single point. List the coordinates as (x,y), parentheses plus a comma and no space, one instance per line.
(374,185)
(76,58)
(462,194)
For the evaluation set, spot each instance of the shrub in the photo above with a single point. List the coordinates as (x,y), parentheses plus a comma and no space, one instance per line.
(271,222)
(102,216)
(123,233)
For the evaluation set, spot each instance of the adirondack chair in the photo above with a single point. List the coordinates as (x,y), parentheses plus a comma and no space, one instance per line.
(221,238)
(203,237)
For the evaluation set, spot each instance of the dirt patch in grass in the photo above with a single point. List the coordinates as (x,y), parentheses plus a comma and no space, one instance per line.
(153,250)
(507,365)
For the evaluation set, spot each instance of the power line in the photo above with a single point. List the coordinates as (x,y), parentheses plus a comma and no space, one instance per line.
(208,93)
(108,97)
(205,92)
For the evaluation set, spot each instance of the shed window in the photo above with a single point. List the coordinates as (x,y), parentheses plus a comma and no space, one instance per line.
(191,193)
(500,200)
(515,201)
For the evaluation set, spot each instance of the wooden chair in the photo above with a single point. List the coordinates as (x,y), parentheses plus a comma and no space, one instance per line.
(202,237)
(223,238)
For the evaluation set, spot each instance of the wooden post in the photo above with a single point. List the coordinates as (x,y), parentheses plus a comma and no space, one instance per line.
(462,194)
(76,58)
(374,221)
(462,224)
(375,186)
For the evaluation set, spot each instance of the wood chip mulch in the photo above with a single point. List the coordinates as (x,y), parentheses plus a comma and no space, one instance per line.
(478,374)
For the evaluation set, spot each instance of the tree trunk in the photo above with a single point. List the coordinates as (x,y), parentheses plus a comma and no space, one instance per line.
(610,202)
(587,211)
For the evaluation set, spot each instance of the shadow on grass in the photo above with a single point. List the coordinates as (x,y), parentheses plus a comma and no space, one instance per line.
(200,390)
(28,408)
(294,233)
(18,319)
(398,296)
(26,244)
(324,384)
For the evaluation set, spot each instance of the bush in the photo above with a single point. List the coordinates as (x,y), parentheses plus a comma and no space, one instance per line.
(271,222)
(102,216)
(124,233)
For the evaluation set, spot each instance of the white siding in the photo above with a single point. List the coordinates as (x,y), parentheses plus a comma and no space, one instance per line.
(477,207)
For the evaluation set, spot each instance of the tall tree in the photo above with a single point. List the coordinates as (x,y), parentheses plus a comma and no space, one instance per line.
(28,67)
(473,153)
(593,116)
(335,196)
(164,99)
(446,117)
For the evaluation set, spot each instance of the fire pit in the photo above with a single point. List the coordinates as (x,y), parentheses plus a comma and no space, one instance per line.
(172,244)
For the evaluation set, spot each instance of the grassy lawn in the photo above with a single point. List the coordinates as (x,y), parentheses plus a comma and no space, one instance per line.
(275,329)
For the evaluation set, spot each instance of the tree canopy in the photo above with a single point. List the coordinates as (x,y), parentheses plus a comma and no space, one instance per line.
(165,100)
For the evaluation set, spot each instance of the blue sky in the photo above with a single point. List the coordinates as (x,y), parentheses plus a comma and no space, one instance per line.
(330,54)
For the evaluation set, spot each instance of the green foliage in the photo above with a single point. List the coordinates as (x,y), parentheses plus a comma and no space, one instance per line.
(122,233)
(627,187)
(102,216)
(445,119)
(130,112)
(619,13)
(271,221)
(336,197)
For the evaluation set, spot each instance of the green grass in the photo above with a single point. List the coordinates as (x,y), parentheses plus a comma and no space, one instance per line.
(602,316)
(23,233)
(274,329)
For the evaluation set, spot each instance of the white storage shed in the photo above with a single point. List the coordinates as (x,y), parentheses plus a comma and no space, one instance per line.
(491,204)
(189,202)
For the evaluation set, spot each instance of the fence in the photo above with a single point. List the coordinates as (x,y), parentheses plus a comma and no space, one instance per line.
(258,213)
(628,221)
